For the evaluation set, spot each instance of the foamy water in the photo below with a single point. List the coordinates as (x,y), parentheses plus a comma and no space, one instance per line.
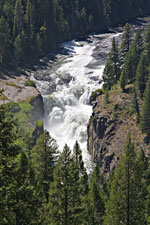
(66,89)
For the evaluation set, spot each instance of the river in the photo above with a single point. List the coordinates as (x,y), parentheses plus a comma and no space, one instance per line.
(66,80)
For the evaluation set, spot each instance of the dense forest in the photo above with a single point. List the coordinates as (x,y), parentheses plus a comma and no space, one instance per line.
(130,64)
(38,184)
(30,29)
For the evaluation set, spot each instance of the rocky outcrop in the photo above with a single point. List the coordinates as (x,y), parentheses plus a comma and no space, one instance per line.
(108,128)
(17,88)
(37,112)
(102,141)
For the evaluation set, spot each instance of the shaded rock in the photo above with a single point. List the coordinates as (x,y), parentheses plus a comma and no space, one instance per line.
(39,129)
(15,89)
(37,112)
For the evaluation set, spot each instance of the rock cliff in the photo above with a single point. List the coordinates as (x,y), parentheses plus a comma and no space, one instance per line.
(109,126)
(17,88)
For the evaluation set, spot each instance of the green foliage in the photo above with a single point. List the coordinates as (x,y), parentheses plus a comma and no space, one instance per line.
(66,196)
(111,72)
(11,84)
(93,119)
(27,200)
(123,79)
(30,83)
(141,74)
(3,97)
(44,156)
(39,123)
(5,41)
(127,194)
(96,93)
(145,114)
(8,154)
(30,29)
(106,97)
(126,42)
(96,197)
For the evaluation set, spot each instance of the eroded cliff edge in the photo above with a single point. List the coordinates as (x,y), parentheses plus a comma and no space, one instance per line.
(109,125)
(17,88)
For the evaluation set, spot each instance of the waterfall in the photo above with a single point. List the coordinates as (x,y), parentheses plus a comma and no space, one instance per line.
(66,81)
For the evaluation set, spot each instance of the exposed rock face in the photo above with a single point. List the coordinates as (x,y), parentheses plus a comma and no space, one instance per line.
(38,109)
(109,126)
(102,143)
(13,88)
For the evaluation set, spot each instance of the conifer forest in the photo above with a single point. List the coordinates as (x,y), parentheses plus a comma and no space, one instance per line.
(43,182)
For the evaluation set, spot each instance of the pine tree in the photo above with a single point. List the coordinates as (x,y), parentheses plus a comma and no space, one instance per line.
(132,59)
(147,43)
(20,49)
(141,179)
(108,76)
(125,205)
(44,156)
(8,155)
(31,43)
(145,114)
(77,156)
(125,45)
(5,41)
(112,69)
(123,79)
(96,197)
(65,206)
(139,43)
(28,202)
(141,75)
(18,18)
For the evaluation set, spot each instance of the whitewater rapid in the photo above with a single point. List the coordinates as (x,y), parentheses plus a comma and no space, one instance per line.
(66,80)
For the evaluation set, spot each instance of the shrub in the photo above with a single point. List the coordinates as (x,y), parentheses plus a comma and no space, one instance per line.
(93,119)
(30,83)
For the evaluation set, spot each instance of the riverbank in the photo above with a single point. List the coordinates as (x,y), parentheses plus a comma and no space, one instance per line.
(17,88)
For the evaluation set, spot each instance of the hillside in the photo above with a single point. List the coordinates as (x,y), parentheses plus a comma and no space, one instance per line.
(31,29)
(122,106)
(109,126)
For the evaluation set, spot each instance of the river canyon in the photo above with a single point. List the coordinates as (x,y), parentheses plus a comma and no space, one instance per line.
(66,80)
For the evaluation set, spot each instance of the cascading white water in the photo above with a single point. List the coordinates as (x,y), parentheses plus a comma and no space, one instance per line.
(66,83)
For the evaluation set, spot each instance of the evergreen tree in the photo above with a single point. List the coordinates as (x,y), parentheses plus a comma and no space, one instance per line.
(77,156)
(112,69)
(5,41)
(18,18)
(145,114)
(8,155)
(44,157)
(147,43)
(141,75)
(147,214)
(28,202)
(123,79)
(108,76)
(125,45)
(20,45)
(31,43)
(132,59)
(96,197)
(66,206)
(125,205)
(139,43)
